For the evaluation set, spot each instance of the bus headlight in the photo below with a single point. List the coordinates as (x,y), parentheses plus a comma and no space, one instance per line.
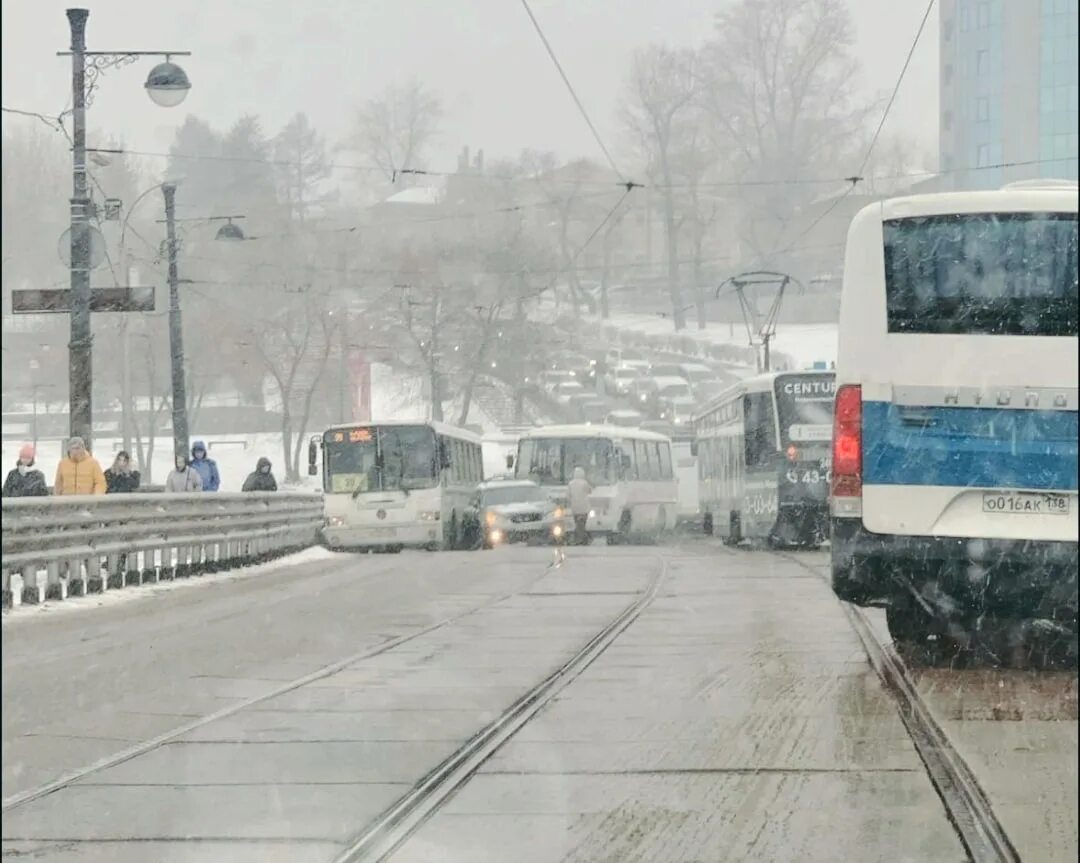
(335,521)
(433,515)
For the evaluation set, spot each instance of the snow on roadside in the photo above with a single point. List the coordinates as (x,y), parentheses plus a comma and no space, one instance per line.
(120,595)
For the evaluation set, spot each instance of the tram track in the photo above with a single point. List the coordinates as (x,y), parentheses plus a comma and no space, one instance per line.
(143,747)
(967,805)
(386,833)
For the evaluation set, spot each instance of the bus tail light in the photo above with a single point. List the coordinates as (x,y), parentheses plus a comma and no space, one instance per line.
(847,443)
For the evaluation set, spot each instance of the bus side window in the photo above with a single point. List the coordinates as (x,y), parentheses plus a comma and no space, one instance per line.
(760,428)
(665,461)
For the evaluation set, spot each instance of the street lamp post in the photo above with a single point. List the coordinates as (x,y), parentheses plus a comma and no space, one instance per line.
(176,331)
(167,85)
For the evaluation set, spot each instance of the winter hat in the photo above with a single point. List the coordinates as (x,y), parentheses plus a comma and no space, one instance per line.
(26,453)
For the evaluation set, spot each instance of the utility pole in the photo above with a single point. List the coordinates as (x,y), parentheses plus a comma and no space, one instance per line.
(80,369)
(181,444)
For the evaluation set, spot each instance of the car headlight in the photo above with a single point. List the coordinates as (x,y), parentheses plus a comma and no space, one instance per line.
(432,515)
(495,537)
(592,513)
(557,530)
(335,521)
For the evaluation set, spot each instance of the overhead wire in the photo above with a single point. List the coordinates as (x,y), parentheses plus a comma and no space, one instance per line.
(570,88)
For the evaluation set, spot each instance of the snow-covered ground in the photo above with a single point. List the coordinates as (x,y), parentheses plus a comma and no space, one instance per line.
(804,343)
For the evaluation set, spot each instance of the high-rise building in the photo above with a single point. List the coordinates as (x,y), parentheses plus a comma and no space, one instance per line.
(1008,91)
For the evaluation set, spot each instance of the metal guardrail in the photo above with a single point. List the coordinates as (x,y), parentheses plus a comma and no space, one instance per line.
(55,547)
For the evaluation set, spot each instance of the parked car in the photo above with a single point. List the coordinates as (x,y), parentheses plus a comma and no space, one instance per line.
(624,418)
(666,370)
(696,373)
(594,411)
(621,378)
(563,391)
(506,511)
(620,356)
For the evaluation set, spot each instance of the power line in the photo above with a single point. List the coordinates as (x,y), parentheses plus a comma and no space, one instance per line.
(854,180)
(896,89)
(570,87)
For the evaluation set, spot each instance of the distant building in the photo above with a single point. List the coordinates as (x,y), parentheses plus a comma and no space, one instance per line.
(1008,83)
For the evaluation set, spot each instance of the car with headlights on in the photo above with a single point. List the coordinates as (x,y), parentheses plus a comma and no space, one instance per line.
(509,511)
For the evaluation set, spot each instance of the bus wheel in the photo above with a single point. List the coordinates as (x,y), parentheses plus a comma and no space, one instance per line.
(920,637)
(706,524)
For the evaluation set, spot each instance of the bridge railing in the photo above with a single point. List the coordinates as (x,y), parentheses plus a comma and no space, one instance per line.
(54,547)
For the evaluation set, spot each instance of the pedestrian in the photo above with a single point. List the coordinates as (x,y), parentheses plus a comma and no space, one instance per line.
(25,480)
(578,491)
(79,472)
(260,479)
(206,467)
(183,478)
(120,478)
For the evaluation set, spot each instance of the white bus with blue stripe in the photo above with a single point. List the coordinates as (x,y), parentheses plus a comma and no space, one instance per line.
(954,485)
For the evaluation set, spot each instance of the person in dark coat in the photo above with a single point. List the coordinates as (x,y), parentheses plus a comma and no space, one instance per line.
(120,478)
(25,480)
(260,479)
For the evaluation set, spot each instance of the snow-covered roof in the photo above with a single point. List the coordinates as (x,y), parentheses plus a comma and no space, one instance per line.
(422,195)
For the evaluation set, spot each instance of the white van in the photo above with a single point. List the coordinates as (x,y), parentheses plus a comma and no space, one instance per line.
(954,467)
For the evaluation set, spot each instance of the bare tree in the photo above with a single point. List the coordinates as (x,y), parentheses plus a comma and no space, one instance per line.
(395,129)
(302,168)
(780,85)
(294,344)
(660,100)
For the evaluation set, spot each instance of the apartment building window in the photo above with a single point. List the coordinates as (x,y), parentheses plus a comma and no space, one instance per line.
(982,61)
(982,156)
(982,15)
(982,109)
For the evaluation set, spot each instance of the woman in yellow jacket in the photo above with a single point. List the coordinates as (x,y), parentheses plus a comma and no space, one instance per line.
(80,472)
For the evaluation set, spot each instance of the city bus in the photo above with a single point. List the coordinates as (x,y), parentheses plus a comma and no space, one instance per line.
(635,493)
(954,487)
(394,485)
(764,459)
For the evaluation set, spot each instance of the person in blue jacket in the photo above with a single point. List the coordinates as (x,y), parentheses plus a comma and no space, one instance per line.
(205,466)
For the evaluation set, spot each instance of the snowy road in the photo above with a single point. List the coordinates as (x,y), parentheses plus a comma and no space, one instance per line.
(712,706)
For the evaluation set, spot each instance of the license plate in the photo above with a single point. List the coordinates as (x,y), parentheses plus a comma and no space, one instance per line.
(383,531)
(1026,503)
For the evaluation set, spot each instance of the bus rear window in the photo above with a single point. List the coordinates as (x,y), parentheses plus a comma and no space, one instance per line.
(983,274)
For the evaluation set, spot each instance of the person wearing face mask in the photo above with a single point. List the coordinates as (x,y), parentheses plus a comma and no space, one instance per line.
(120,478)
(260,479)
(79,472)
(183,479)
(25,480)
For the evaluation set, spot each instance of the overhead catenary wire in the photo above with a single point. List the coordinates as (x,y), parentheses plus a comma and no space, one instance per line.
(570,88)
(855,179)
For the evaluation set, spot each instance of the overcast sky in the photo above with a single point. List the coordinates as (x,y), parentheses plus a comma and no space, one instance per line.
(501,92)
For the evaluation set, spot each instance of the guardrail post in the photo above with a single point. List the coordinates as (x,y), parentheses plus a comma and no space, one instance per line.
(76,582)
(149,563)
(130,567)
(55,584)
(32,592)
(114,577)
(95,581)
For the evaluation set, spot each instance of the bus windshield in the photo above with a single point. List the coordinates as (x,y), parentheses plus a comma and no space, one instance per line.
(804,404)
(380,458)
(551,461)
